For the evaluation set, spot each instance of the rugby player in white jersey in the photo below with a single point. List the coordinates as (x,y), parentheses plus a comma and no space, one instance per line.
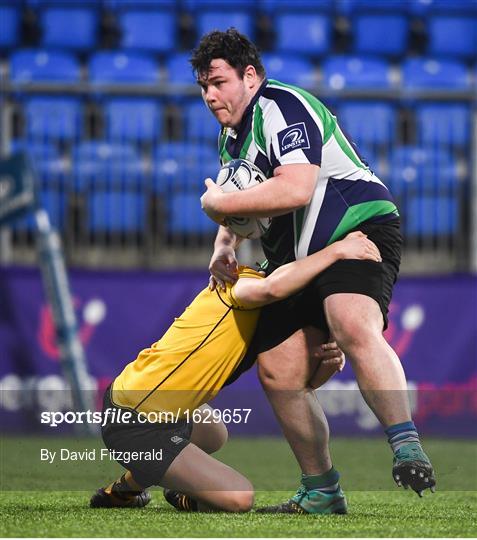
(319,189)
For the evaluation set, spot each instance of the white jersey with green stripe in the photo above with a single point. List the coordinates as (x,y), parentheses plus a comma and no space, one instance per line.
(284,125)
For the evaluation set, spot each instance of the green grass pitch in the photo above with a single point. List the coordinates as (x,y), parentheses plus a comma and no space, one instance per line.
(40,501)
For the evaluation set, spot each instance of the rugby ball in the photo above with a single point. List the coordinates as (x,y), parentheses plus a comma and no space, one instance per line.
(237,175)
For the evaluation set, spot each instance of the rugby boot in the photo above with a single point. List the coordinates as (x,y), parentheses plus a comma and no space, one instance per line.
(182,502)
(411,467)
(310,501)
(113,498)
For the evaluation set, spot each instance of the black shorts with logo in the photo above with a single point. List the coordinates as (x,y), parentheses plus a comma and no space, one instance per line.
(280,320)
(155,439)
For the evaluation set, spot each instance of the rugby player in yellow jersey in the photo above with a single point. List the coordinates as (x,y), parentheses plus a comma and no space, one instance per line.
(159,444)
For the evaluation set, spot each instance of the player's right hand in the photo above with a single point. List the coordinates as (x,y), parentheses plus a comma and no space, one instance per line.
(357,245)
(223,267)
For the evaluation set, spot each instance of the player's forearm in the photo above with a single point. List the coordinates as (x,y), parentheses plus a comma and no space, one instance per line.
(272,198)
(293,277)
(226,237)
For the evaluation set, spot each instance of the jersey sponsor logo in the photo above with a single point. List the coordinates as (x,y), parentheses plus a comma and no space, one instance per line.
(292,138)
(176,439)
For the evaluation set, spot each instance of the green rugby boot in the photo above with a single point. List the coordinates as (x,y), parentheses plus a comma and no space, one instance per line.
(411,467)
(310,501)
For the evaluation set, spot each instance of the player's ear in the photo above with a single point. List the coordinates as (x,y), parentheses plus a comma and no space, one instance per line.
(250,76)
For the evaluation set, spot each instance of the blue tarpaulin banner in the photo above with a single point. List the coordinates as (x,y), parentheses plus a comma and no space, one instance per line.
(433,328)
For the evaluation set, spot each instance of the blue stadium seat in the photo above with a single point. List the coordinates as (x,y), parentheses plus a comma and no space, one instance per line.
(117,5)
(37,150)
(351,7)
(423,8)
(418,170)
(443,124)
(185,216)
(368,124)
(303,33)
(377,161)
(453,36)
(105,165)
(9,26)
(133,119)
(182,166)
(116,212)
(53,118)
(42,65)
(432,73)
(229,5)
(431,216)
(71,28)
(380,34)
(179,69)
(221,20)
(356,72)
(121,67)
(199,122)
(272,6)
(152,31)
(290,69)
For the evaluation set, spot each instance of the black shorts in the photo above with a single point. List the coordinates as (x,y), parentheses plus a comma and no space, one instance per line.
(280,320)
(160,443)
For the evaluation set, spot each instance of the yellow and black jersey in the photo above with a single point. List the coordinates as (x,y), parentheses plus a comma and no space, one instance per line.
(194,358)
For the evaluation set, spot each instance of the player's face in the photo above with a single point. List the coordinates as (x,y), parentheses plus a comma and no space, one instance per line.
(225,93)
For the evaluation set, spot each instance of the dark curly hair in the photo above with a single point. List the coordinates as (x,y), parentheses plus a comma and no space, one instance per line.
(232,46)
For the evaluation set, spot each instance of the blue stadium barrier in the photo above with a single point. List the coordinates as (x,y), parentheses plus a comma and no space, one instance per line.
(182,166)
(179,70)
(152,31)
(380,34)
(199,122)
(369,123)
(133,119)
(10,26)
(42,65)
(304,33)
(53,118)
(105,165)
(186,216)
(70,28)
(453,36)
(122,67)
(446,124)
(433,73)
(116,212)
(356,72)
(426,217)
(221,20)
(424,171)
(291,69)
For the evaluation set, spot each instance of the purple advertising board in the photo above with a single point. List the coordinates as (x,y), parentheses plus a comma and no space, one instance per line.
(433,328)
